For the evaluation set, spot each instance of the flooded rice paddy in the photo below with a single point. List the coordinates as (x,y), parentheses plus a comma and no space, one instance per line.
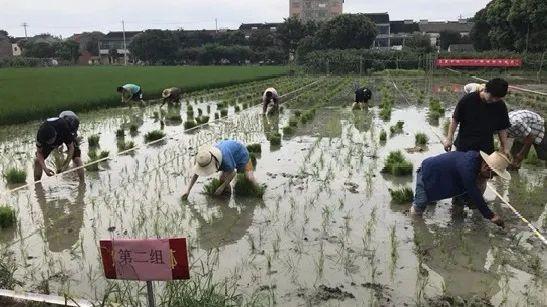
(325,232)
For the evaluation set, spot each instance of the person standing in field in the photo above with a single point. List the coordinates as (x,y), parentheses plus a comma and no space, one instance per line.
(480,114)
(458,173)
(527,129)
(270,96)
(55,132)
(171,95)
(362,96)
(228,157)
(130,92)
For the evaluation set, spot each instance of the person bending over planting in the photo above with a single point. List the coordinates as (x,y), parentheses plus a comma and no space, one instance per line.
(362,96)
(527,128)
(480,114)
(55,132)
(130,92)
(227,157)
(270,97)
(457,173)
(171,95)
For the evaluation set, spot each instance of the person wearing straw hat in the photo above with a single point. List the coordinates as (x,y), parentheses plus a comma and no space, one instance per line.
(270,96)
(457,173)
(171,95)
(53,133)
(228,157)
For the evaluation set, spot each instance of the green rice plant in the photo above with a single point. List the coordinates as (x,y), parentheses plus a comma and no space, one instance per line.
(244,187)
(297,113)
(288,130)
(275,139)
(120,133)
(421,139)
(385,113)
(397,165)
(402,195)
(200,112)
(156,115)
(123,146)
(217,116)
(293,121)
(133,129)
(223,112)
(15,175)
(202,120)
(383,136)
(237,108)
(154,135)
(435,108)
(211,187)
(93,140)
(397,128)
(94,167)
(104,154)
(190,112)
(189,124)
(174,117)
(255,148)
(7,216)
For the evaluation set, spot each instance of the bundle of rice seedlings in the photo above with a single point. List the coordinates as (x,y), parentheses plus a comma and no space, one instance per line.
(189,124)
(383,136)
(190,112)
(385,113)
(397,165)
(435,108)
(174,117)
(217,116)
(223,112)
(421,139)
(202,120)
(237,108)
(120,133)
(244,187)
(288,130)
(275,139)
(7,216)
(256,148)
(402,195)
(154,135)
(211,187)
(397,128)
(15,175)
(104,154)
(92,158)
(122,146)
(133,129)
(93,140)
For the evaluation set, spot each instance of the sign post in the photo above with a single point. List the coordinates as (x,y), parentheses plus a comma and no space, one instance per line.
(145,260)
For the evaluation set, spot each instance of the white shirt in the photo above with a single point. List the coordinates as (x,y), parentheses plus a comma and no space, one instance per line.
(473,87)
(524,123)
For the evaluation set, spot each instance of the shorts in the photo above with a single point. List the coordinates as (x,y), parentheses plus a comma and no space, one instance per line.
(77,152)
(137,96)
(361,99)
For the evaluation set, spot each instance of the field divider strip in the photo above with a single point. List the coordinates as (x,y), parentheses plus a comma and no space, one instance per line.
(532,227)
(147,144)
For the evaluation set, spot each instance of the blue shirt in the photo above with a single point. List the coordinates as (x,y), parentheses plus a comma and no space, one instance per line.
(132,88)
(234,155)
(454,173)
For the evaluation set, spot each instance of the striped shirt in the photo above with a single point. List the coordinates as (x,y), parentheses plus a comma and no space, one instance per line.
(524,123)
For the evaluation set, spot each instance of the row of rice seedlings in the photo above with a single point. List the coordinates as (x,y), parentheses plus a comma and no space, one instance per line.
(397,165)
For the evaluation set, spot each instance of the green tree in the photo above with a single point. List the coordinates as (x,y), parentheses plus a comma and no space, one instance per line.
(448,38)
(501,35)
(260,40)
(38,49)
(347,31)
(528,21)
(68,50)
(479,32)
(420,43)
(290,33)
(154,46)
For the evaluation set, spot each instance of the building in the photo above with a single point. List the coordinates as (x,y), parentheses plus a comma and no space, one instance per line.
(248,28)
(111,46)
(461,48)
(381,20)
(401,31)
(315,10)
(434,28)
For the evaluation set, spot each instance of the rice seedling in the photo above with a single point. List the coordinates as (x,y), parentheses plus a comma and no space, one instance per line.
(122,146)
(202,120)
(223,112)
(211,187)
(256,148)
(237,108)
(393,240)
(397,128)
(93,140)
(94,167)
(275,139)
(397,165)
(385,113)
(200,112)
(154,135)
(156,115)
(174,117)
(383,135)
(189,124)
(435,108)
(288,130)
(190,112)
(293,121)
(104,154)
(401,195)
(7,216)
(421,139)
(297,113)
(120,133)
(217,116)
(244,187)
(15,175)
(134,129)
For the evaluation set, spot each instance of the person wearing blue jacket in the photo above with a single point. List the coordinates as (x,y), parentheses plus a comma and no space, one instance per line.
(455,173)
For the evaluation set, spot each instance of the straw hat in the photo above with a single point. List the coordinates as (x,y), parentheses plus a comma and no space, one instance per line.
(166,93)
(208,160)
(498,162)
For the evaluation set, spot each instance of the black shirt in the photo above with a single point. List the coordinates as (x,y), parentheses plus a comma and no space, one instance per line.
(362,94)
(478,122)
(64,134)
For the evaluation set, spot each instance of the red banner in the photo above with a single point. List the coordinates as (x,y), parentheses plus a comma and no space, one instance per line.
(147,260)
(479,62)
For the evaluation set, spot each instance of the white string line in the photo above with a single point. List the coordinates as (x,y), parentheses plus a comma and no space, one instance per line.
(532,227)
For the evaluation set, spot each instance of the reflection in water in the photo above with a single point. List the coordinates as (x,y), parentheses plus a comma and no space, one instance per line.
(63,218)
(459,256)
(270,123)
(228,225)
(362,119)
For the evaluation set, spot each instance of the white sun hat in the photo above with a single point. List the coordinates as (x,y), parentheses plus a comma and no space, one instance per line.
(208,161)
(498,162)
(166,93)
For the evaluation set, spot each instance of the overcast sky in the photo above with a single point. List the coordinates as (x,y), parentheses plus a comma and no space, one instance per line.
(65,17)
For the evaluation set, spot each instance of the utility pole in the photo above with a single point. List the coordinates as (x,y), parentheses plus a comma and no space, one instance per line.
(25,25)
(124,44)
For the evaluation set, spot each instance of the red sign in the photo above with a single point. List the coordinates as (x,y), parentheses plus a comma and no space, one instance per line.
(146,260)
(479,62)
